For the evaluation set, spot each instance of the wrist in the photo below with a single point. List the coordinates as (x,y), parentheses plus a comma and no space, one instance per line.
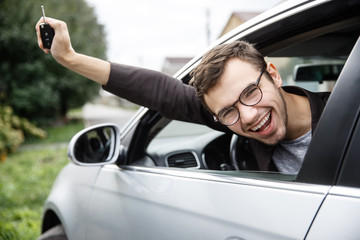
(68,59)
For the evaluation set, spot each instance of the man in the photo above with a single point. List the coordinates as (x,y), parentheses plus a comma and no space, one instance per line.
(235,90)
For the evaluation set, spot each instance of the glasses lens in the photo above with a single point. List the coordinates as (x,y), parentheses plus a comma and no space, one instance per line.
(229,116)
(251,95)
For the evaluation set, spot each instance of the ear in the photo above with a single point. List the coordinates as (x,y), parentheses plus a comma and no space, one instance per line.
(274,74)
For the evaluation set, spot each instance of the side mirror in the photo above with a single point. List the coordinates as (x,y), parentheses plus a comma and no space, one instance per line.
(95,146)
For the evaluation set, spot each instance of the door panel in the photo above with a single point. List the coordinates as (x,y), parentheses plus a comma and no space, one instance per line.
(145,203)
(339,216)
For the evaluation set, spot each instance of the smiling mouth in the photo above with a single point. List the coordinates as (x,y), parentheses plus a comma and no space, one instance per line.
(263,125)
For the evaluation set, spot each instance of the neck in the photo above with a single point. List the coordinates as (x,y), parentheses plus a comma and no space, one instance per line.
(299,115)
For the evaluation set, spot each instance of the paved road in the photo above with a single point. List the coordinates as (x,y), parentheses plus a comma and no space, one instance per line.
(97,113)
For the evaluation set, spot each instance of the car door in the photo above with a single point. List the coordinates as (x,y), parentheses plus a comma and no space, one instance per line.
(163,203)
(137,202)
(339,215)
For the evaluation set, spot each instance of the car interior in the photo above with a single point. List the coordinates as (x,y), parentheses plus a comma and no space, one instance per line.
(312,59)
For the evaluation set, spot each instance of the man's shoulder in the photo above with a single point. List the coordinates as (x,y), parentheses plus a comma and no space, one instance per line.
(313,96)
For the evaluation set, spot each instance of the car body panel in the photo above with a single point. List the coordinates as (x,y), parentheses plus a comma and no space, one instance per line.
(339,216)
(243,208)
(69,198)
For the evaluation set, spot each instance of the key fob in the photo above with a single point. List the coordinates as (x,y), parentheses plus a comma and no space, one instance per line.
(47,34)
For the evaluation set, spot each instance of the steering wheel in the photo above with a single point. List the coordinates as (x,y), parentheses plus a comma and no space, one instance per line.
(241,154)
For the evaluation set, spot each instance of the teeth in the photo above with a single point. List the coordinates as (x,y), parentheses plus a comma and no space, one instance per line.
(266,118)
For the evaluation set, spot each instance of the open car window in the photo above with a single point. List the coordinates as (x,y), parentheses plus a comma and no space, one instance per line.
(197,147)
(312,60)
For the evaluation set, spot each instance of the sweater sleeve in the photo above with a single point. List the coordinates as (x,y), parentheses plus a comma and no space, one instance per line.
(159,92)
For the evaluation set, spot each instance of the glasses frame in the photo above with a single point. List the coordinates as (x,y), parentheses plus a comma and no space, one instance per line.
(216,118)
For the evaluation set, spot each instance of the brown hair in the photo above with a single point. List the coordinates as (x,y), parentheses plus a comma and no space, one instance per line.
(212,65)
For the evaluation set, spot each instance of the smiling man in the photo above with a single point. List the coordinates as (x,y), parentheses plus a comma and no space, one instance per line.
(245,93)
(259,111)
(235,90)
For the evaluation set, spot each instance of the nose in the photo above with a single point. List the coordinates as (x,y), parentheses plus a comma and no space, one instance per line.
(247,113)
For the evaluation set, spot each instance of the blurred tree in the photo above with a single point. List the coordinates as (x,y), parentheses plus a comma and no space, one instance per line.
(31,82)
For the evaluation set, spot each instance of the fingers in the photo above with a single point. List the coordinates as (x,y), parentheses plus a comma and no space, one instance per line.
(61,47)
(58,26)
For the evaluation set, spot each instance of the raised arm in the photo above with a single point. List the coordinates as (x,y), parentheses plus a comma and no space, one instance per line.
(148,88)
(93,68)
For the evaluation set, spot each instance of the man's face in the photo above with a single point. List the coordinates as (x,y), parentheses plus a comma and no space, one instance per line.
(265,121)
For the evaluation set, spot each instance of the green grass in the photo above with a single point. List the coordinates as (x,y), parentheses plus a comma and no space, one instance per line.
(26,178)
(58,134)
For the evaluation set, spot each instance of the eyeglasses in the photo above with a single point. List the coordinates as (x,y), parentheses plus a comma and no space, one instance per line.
(250,96)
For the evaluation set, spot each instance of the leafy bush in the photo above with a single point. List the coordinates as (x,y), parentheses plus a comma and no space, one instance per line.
(13,130)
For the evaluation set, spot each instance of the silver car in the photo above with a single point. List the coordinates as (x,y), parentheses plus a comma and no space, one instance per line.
(158,178)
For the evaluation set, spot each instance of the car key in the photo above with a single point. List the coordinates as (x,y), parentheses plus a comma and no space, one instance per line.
(46,32)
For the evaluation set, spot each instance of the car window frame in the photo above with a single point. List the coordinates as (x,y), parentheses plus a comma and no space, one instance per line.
(349,174)
(337,140)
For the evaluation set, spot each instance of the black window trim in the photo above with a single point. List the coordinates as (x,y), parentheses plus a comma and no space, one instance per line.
(343,104)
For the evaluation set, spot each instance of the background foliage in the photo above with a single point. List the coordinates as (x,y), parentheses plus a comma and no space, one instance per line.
(26,178)
(31,82)
(13,130)
(25,181)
